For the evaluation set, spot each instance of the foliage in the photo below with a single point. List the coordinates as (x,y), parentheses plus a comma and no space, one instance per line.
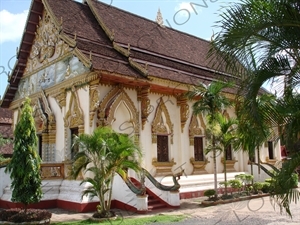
(104,153)
(237,184)
(257,186)
(210,101)
(18,215)
(24,166)
(209,193)
(258,42)
(4,141)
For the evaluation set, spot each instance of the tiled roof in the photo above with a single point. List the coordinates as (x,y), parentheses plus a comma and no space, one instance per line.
(7,149)
(5,116)
(6,131)
(145,34)
(120,42)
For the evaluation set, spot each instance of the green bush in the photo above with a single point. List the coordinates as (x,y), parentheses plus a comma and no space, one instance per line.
(209,193)
(257,186)
(235,183)
(266,187)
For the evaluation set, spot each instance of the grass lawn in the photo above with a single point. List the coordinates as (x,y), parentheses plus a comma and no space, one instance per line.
(130,221)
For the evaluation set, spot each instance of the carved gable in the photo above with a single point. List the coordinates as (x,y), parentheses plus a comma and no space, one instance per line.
(47,45)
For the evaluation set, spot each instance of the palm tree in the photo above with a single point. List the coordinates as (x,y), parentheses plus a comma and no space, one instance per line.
(259,42)
(210,101)
(104,153)
(251,133)
(224,131)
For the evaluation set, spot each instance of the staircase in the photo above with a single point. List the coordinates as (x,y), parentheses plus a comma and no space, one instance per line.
(154,202)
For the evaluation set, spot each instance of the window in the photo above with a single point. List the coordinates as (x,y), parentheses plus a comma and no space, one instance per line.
(198,149)
(270,149)
(229,153)
(162,148)
(74,148)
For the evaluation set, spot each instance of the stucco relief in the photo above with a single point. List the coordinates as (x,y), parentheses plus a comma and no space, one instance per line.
(109,106)
(162,122)
(197,127)
(47,44)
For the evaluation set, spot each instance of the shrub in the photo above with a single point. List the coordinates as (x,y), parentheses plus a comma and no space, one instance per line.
(266,187)
(235,183)
(257,186)
(209,193)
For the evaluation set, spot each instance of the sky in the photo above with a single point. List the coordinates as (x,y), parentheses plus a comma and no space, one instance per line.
(196,17)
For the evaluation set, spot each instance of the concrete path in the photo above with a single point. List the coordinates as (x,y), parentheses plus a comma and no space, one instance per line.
(253,212)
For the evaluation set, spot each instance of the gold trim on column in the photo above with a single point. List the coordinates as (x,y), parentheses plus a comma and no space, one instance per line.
(94,99)
(184,110)
(143,96)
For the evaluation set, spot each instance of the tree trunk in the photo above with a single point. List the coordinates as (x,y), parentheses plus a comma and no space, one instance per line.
(215,167)
(225,172)
(258,159)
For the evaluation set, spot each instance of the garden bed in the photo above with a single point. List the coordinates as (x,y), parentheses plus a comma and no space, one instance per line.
(212,202)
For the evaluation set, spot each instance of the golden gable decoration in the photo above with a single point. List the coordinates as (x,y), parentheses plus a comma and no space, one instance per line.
(47,44)
(161,124)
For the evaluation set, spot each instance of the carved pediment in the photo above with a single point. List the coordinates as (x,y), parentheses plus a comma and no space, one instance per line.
(162,122)
(109,105)
(197,127)
(47,44)
(74,116)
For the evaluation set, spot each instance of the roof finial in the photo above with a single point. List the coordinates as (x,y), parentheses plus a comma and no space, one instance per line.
(159,19)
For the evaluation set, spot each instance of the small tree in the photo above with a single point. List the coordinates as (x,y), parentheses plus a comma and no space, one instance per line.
(104,153)
(24,167)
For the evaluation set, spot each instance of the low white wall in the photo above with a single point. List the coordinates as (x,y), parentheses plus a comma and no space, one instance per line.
(4,181)
(122,193)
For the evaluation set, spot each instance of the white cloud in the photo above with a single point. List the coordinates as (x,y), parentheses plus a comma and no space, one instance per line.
(12,25)
(185,9)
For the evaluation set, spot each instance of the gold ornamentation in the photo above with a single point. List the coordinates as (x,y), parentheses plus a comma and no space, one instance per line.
(199,166)
(196,126)
(143,71)
(163,168)
(184,110)
(158,123)
(123,51)
(109,105)
(145,104)
(45,45)
(94,99)
(61,98)
(74,116)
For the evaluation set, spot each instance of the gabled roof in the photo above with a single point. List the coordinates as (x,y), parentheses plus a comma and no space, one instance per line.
(118,42)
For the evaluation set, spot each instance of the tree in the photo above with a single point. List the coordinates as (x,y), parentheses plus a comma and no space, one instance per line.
(24,167)
(104,153)
(259,42)
(210,101)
